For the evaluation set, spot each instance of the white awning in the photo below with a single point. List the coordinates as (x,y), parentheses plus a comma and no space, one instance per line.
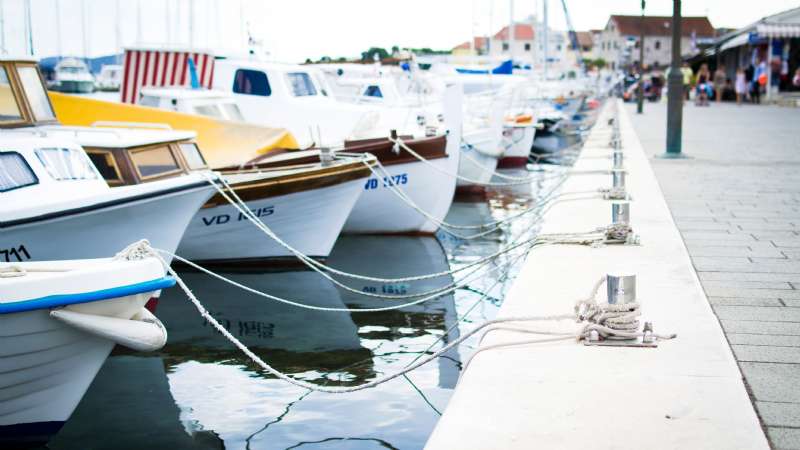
(778,30)
(736,41)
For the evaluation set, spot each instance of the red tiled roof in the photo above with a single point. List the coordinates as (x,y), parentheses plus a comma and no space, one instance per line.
(478,41)
(662,25)
(522,32)
(585,39)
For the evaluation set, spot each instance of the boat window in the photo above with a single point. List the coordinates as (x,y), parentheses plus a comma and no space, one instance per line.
(192,155)
(373,91)
(149,100)
(9,109)
(37,96)
(301,84)
(232,112)
(66,163)
(251,82)
(15,172)
(106,165)
(208,110)
(154,161)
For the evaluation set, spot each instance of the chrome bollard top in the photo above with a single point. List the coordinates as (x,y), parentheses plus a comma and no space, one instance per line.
(621,287)
(620,213)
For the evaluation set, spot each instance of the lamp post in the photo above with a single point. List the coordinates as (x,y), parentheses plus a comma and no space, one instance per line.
(675,83)
(640,90)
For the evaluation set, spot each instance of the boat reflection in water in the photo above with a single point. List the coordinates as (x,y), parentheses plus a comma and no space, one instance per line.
(202,393)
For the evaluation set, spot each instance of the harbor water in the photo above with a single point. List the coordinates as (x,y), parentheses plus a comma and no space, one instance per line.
(200,392)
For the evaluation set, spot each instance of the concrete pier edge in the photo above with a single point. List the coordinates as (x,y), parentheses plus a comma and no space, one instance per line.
(687,393)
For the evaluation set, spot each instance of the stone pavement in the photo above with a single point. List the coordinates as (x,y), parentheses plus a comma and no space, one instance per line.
(737,206)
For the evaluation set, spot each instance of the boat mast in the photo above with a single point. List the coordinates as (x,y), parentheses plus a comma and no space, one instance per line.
(138,22)
(117,31)
(535,28)
(544,35)
(84,32)
(28,27)
(511,30)
(2,29)
(191,24)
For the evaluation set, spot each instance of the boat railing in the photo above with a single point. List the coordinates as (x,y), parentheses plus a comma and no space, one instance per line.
(120,124)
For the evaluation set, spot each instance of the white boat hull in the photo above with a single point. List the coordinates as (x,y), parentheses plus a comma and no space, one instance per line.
(310,221)
(480,154)
(380,210)
(102,231)
(517,141)
(46,366)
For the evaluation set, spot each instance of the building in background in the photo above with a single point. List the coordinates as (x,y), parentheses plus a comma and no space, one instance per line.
(525,45)
(619,40)
(776,36)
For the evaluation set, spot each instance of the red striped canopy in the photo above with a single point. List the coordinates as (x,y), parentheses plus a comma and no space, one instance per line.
(162,68)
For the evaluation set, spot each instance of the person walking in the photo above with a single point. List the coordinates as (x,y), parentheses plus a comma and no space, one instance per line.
(703,86)
(740,86)
(796,79)
(687,79)
(719,82)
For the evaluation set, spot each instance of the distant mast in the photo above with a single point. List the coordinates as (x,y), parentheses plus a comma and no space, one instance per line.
(511,32)
(28,27)
(2,29)
(544,37)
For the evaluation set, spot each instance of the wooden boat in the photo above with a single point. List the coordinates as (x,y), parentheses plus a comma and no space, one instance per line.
(60,320)
(54,203)
(302,200)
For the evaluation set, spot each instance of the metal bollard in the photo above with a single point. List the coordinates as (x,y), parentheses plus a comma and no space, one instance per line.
(325,156)
(621,213)
(618,159)
(618,178)
(621,288)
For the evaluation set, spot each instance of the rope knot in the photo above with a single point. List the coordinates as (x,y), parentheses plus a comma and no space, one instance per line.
(137,251)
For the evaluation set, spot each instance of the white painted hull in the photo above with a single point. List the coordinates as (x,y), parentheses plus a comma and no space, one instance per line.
(479,159)
(518,143)
(379,210)
(309,221)
(104,231)
(46,367)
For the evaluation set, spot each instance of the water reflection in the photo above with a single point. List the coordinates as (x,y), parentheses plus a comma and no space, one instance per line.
(201,393)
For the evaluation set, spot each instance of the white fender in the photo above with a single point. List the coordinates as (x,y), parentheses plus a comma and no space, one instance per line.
(142,332)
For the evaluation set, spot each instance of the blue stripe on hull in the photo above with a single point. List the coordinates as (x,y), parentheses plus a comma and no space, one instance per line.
(28,435)
(52,301)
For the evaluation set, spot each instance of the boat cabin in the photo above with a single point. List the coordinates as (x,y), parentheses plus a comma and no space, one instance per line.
(205,102)
(131,156)
(122,156)
(23,97)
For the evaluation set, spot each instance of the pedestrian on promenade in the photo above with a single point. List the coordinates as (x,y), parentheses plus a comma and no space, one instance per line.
(687,79)
(741,85)
(703,86)
(796,79)
(719,82)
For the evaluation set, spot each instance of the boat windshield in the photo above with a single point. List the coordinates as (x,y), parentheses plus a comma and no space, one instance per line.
(301,84)
(9,108)
(15,172)
(154,161)
(37,96)
(66,164)
(232,112)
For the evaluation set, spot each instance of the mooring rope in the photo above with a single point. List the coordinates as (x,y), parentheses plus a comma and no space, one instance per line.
(142,249)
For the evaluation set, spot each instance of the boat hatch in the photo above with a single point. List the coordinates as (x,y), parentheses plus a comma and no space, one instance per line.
(23,98)
(134,165)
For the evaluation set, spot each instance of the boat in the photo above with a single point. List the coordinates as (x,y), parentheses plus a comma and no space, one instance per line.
(109,78)
(54,201)
(519,131)
(73,76)
(59,322)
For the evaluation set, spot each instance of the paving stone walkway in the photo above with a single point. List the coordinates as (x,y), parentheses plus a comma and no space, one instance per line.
(737,205)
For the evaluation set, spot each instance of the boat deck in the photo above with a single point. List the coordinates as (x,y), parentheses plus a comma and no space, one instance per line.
(566,395)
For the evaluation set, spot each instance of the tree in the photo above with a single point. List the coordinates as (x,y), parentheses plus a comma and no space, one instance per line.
(369,55)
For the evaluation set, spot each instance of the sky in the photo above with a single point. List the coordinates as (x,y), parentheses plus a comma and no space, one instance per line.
(293,30)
